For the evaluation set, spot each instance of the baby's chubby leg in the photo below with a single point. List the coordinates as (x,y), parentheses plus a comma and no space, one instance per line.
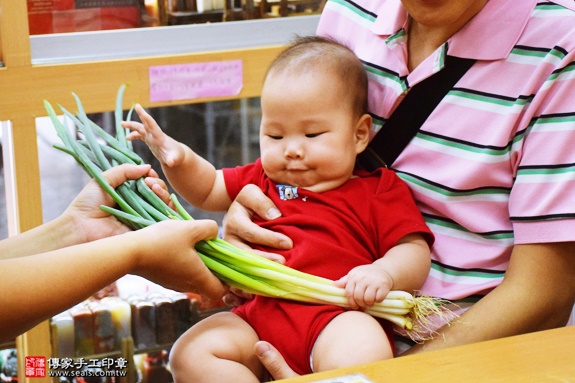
(219,348)
(351,338)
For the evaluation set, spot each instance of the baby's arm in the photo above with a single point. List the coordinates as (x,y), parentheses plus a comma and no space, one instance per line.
(404,267)
(191,176)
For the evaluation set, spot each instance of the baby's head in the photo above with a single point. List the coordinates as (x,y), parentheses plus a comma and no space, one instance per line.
(311,55)
(314,114)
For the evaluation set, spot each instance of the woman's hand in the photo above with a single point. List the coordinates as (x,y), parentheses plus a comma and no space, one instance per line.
(273,361)
(90,222)
(165,254)
(240,231)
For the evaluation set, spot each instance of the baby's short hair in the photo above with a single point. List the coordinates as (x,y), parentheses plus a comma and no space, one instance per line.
(309,53)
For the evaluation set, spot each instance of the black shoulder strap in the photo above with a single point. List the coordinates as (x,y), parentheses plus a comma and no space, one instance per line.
(411,113)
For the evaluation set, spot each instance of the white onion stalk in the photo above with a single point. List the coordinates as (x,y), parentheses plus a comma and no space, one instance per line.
(140,207)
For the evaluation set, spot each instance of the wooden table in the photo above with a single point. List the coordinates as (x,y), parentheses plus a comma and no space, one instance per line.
(546,356)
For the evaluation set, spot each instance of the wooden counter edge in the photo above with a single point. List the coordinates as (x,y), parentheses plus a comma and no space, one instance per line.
(536,357)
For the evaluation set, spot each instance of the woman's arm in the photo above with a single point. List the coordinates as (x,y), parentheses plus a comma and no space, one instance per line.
(51,267)
(37,287)
(537,293)
(83,221)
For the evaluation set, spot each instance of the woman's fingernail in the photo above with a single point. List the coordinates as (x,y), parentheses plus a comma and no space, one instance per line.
(273,213)
(262,348)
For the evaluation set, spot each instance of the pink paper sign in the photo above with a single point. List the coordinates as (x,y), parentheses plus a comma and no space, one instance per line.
(199,80)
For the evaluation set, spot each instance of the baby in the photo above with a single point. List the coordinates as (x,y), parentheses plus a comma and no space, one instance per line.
(360,229)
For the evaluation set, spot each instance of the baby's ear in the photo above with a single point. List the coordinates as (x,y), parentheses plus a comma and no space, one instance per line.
(362,133)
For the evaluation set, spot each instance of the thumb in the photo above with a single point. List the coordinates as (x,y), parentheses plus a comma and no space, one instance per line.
(273,361)
(202,229)
(204,282)
(341,282)
(117,175)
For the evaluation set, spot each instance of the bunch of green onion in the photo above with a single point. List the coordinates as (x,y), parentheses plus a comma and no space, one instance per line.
(139,206)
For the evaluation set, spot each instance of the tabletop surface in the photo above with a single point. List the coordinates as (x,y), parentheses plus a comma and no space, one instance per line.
(546,356)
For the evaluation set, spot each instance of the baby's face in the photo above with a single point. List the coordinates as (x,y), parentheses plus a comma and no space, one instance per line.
(307,134)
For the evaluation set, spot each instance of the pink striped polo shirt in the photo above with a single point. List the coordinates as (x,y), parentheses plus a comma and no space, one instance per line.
(494,165)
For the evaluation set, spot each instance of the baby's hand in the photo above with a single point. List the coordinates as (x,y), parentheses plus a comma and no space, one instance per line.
(365,285)
(167,150)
